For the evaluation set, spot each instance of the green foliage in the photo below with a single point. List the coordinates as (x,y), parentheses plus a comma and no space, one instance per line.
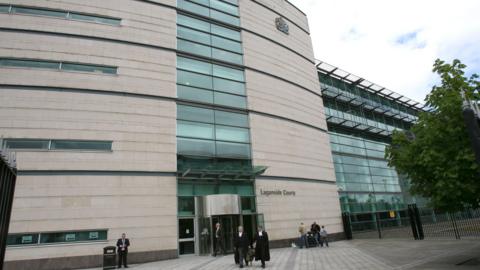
(436,154)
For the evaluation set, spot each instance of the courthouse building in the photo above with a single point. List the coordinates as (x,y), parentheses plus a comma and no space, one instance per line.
(159,118)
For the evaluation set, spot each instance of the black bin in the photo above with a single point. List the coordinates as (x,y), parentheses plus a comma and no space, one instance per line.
(109,257)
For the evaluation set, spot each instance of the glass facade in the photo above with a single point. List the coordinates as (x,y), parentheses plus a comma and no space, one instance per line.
(360,122)
(213,134)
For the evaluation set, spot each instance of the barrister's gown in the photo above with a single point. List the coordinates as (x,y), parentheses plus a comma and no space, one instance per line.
(262,249)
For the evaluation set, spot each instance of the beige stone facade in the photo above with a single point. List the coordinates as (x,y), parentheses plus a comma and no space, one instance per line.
(133,187)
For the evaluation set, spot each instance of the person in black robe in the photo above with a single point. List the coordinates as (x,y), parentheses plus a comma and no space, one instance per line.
(262,249)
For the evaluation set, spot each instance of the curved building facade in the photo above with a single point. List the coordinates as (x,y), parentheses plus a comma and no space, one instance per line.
(160,119)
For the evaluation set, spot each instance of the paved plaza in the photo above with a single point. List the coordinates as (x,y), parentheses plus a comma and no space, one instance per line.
(344,255)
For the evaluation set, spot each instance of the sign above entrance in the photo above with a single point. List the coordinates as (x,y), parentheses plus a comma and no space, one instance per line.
(277,192)
(282,25)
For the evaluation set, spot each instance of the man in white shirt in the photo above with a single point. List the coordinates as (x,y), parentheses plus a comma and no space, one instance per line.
(122,249)
(241,244)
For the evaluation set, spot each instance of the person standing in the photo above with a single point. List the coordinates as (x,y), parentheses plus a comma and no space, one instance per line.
(323,236)
(262,249)
(219,240)
(302,230)
(241,243)
(122,249)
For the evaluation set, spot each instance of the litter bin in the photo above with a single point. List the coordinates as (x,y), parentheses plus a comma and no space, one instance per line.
(109,257)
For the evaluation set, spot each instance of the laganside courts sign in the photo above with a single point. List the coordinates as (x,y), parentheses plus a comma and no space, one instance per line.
(277,192)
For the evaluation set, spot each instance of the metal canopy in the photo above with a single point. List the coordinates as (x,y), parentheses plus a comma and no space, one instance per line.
(369,86)
(215,173)
(358,126)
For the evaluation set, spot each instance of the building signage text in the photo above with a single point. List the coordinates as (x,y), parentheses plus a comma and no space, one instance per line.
(277,192)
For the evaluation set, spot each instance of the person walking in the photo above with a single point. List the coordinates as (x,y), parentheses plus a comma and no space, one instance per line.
(315,229)
(302,230)
(241,244)
(262,249)
(122,249)
(323,236)
(219,246)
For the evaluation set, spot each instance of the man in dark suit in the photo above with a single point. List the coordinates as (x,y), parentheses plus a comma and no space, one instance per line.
(262,249)
(122,248)
(241,244)
(219,246)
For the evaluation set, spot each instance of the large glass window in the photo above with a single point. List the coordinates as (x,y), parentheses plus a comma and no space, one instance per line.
(222,11)
(209,132)
(226,86)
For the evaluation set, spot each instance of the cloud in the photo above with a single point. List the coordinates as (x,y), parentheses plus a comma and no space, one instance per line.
(395,43)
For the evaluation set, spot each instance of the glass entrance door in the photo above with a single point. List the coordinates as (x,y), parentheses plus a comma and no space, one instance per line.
(229,223)
(205,233)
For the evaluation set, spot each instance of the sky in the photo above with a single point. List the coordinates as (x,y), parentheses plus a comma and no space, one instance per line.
(394,43)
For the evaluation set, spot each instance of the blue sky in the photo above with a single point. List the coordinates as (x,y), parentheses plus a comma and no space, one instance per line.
(395,43)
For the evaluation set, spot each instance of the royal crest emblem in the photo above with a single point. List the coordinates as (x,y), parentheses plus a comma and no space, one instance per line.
(281,25)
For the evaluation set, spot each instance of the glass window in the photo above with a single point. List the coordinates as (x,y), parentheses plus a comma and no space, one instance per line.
(248,204)
(185,189)
(194,147)
(193,23)
(88,18)
(229,86)
(89,68)
(234,2)
(245,190)
(194,65)
(224,7)
(202,190)
(227,56)
(233,150)
(226,44)
(195,48)
(81,145)
(186,206)
(230,100)
(4,9)
(194,79)
(231,119)
(223,17)
(194,114)
(26,144)
(201,2)
(228,73)
(187,33)
(195,94)
(62,237)
(225,32)
(226,189)
(41,12)
(22,239)
(195,130)
(195,8)
(29,63)
(233,134)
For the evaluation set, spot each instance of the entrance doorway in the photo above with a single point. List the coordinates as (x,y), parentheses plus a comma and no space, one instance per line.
(229,223)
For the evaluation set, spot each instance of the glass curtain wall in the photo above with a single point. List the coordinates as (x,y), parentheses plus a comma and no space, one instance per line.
(213,132)
(360,123)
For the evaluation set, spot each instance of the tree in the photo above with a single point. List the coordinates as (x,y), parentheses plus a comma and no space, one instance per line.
(436,154)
